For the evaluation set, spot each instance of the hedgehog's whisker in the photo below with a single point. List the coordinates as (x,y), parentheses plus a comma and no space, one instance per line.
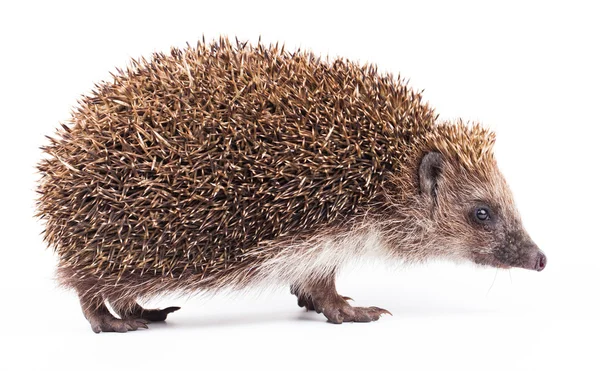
(493,282)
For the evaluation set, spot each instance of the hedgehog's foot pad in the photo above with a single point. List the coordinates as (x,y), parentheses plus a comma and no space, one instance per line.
(322,297)
(135,311)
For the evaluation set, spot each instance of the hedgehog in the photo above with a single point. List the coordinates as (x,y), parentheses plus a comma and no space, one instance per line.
(227,165)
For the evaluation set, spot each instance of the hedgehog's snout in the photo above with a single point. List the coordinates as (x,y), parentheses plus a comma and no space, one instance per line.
(519,251)
(534,259)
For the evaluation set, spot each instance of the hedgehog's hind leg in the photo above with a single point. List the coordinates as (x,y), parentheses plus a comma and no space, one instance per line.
(130,309)
(321,295)
(100,317)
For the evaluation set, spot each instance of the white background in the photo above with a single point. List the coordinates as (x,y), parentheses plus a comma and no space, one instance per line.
(528,70)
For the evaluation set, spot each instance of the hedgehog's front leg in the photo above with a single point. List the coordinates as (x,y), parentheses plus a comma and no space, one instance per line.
(320,295)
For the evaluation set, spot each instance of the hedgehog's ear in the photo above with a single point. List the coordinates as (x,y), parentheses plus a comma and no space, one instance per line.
(429,173)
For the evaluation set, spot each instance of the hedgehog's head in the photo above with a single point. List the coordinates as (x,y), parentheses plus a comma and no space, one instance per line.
(471,206)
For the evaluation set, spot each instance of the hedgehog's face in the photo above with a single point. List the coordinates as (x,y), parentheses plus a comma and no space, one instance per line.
(474,215)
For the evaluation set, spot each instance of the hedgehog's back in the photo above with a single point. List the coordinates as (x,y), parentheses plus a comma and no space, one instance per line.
(190,162)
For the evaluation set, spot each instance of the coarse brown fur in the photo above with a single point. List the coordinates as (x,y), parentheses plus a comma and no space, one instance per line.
(218,165)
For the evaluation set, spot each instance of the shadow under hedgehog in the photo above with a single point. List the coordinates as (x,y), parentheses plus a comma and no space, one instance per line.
(227,165)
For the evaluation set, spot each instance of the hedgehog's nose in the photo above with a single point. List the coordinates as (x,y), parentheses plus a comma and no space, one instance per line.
(540,262)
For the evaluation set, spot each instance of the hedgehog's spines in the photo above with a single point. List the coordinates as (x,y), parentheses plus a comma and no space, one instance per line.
(201,162)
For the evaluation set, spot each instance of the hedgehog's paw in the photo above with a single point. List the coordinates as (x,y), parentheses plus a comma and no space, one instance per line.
(321,296)
(156,315)
(337,310)
(354,314)
(129,309)
(105,322)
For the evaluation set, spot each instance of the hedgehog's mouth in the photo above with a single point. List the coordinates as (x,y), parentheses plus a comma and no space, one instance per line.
(490,261)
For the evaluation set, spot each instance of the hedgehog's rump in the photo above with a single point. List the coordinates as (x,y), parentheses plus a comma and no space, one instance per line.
(191,163)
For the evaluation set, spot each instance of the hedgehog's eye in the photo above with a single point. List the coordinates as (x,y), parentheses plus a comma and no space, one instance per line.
(482,214)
